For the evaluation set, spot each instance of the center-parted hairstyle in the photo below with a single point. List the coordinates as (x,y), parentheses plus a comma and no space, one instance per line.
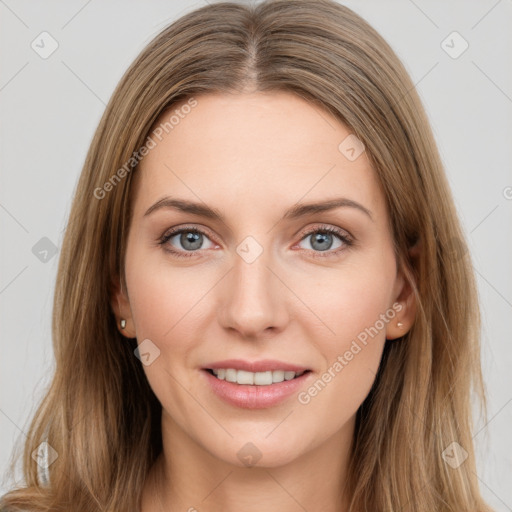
(100,414)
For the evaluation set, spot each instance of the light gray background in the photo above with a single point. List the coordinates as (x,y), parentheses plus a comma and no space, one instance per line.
(51,107)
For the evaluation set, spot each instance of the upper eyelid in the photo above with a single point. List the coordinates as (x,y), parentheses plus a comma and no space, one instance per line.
(176,231)
(326,227)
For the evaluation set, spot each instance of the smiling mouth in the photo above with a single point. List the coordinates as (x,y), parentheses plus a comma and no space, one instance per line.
(244,377)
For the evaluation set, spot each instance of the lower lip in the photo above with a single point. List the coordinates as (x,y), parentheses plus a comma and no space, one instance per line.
(252,396)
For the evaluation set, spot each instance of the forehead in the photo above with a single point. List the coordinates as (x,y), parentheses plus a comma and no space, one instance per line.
(270,148)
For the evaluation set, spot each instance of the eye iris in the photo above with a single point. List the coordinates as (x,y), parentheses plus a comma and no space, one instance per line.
(193,238)
(325,240)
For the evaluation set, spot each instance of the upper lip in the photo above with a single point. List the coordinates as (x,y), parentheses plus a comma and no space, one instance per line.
(256,366)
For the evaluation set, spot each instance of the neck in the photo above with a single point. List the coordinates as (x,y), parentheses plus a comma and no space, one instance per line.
(186,477)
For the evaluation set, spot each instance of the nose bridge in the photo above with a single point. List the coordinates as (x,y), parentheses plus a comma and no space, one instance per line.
(253,299)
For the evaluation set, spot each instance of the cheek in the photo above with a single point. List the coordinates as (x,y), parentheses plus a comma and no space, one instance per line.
(347,300)
(163,298)
(171,307)
(354,309)
(167,304)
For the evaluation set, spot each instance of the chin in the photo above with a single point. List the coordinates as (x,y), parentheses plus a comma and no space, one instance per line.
(258,451)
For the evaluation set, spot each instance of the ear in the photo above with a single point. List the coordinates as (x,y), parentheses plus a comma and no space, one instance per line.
(121,306)
(405,297)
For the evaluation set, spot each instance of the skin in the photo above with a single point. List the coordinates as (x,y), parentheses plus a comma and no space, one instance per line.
(252,156)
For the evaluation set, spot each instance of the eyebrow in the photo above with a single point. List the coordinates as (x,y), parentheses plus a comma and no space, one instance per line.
(295,212)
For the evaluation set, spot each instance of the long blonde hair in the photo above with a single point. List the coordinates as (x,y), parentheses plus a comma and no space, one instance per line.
(100,415)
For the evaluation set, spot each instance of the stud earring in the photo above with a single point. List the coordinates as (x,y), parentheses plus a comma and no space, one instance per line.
(399,325)
(123,323)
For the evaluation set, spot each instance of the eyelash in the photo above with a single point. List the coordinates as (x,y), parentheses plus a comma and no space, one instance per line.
(347,240)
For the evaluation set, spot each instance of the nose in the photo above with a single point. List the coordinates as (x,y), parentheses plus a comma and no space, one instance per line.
(254,299)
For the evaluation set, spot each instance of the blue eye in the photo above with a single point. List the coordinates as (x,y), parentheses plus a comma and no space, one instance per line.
(191,240)
(322,239)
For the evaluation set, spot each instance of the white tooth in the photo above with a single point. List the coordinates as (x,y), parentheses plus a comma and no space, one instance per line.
(256,379)
(243,377)
(278,376)
(263,378)
(231,375)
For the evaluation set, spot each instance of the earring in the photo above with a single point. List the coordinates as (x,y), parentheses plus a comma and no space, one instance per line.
(399,325)
(123,323)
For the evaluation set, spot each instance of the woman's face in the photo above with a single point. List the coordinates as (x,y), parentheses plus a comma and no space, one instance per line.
(261,280)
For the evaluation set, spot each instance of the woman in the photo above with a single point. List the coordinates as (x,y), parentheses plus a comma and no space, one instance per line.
(264,297)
